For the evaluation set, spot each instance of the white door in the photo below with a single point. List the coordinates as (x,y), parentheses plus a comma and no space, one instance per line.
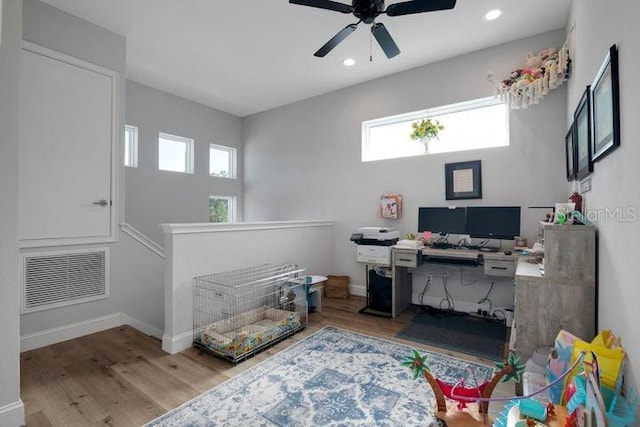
(68,132)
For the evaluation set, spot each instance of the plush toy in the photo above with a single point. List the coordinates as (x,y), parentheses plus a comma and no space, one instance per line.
(542,72)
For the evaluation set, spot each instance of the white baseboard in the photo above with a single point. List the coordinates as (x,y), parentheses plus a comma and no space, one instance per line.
(358,290)
(12,415)
(173,345)
(86,327)
(141,326)
(70,331)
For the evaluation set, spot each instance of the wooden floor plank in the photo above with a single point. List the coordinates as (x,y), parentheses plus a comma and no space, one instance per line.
(163,389)
(121,377)
(38,419)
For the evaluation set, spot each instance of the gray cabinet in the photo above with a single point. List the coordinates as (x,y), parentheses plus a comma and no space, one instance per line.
(402,261)
(561,294)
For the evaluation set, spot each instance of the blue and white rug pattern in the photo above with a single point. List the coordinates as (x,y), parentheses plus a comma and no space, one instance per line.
(332,378)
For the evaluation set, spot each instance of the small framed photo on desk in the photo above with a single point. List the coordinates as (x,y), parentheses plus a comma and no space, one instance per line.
(463,180)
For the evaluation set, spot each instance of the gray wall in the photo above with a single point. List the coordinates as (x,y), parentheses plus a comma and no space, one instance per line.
(136,273)
(302,161)
(155,197)
(615,179)
(9,286)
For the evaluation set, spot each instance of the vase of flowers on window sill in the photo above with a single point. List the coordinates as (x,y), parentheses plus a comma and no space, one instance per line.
(424,131)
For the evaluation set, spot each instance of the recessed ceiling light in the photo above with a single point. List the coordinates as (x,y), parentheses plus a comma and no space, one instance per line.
(349,62)
(492,14)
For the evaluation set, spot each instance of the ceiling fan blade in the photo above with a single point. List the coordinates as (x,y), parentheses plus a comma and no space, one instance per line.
(385,41)
(419,6)
(325,4)
(328,46)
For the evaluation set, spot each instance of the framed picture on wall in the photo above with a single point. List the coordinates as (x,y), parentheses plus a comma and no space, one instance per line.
(582,136)
(570,154)
(605,107)
(463,180)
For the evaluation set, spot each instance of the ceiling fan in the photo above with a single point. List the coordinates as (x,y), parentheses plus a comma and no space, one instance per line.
(367,11)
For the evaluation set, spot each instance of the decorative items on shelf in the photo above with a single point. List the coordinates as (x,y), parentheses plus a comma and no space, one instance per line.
(390,206)
(541,73)
(425,130)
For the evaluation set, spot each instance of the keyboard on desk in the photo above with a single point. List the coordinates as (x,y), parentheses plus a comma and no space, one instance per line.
(441,245)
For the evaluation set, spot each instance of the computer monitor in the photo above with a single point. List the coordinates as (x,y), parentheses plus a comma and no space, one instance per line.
(493,222)
(442,220)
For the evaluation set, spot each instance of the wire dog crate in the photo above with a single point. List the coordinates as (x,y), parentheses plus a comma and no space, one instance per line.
(239,312)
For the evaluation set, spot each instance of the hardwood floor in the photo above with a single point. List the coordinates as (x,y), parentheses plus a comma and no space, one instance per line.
(121,377)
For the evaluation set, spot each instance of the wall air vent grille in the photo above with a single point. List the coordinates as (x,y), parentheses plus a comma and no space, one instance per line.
(56,279)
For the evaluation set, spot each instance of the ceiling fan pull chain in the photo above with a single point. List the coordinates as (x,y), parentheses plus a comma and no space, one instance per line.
(370,47)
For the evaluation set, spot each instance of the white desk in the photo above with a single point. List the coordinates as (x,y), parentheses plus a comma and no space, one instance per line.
(405,260)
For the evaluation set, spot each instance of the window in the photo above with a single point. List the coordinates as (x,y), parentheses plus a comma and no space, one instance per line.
(470,125)
(222,209)
(222,161)
(175,153)
(131,146)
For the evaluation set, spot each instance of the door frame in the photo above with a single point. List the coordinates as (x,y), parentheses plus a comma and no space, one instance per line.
(114,149)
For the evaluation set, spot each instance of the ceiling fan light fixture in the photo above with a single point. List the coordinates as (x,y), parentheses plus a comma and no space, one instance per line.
(349,62)
(492,15)
(366,11)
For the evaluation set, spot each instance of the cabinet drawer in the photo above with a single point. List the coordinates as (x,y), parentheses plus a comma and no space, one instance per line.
(406,259)
(496,267)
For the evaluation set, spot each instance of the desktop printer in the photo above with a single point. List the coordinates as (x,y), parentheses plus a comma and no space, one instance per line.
(378,236)
(374,244)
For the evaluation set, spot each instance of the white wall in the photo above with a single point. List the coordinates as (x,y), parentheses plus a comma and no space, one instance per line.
(154,197)
(138,285)
(598,25)
(303,160)
(11,409)
(197,249)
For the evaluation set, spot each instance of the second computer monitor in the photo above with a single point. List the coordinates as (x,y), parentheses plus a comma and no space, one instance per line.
(493,222)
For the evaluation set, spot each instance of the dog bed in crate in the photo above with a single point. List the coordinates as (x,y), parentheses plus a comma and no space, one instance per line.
(241,335)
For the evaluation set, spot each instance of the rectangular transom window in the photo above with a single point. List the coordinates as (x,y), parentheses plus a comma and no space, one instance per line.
(222,161)
(131,146)
(480,123)
(222,209)
(175,153)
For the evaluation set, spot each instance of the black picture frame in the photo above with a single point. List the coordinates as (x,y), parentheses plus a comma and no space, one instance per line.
(605,107)
(582,136)
(570,154)
(463,180)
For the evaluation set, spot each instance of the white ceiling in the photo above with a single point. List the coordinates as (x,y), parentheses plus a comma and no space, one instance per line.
(247,56)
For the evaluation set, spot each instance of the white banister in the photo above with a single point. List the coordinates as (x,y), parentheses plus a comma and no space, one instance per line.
(139,237)
(190,228)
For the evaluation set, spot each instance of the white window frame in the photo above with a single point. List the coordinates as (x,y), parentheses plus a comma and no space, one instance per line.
(232,160)
(431,112)
(231,202)
(188,153)
(132,150)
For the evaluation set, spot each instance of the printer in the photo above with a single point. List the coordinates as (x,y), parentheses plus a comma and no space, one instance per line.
(374,244)
(379,236)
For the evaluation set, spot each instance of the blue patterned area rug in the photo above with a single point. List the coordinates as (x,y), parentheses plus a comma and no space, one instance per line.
(331,378)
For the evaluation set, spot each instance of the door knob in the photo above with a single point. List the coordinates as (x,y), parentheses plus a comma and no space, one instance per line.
(102,202)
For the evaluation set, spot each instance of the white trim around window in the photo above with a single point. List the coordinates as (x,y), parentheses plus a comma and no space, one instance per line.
(222,161)
(475,124)
(231,208)
(175,153)
(131,146)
